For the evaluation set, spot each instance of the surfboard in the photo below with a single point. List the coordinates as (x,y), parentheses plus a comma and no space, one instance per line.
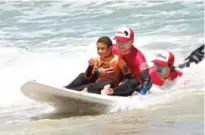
(69,100)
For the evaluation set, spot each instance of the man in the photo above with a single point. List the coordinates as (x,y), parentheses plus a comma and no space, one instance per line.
(141,80)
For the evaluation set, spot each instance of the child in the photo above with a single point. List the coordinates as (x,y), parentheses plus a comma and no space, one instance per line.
(163,68)
(94,79)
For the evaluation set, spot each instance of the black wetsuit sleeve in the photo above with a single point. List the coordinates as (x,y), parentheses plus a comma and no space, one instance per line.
(93,76)
(146,79)
(196,56)
(88,72)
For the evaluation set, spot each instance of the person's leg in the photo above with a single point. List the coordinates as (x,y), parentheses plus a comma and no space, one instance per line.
(127,87)
(78,82)
(81,87)
(98,86)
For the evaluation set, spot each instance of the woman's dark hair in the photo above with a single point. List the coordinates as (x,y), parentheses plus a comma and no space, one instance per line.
(172,68)
(105,40)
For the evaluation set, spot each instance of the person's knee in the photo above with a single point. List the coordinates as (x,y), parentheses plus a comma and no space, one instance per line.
(132,84)
(79,80)
(82,75)
(93,88)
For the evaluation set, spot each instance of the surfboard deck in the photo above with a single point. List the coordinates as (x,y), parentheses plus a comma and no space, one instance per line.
(67,99)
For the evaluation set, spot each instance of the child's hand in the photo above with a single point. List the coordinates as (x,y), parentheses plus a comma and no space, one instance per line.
(91,62)
(106,72)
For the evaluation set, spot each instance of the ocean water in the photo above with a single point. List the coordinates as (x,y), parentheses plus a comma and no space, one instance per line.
(51,41)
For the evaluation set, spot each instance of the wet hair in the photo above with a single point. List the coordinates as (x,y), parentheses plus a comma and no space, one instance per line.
(105,40)
(172,68)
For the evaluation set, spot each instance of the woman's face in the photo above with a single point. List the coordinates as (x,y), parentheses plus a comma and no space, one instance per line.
(162,71)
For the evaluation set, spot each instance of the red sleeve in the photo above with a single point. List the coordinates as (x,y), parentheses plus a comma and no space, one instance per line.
(174,74)
(141,62)
(114,49)
(179,73)
(155,78)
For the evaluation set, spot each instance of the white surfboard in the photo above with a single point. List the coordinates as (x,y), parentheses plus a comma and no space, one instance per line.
(70,100)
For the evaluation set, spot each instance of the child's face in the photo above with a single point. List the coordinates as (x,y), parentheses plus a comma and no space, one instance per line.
(162,71)
(103,50)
